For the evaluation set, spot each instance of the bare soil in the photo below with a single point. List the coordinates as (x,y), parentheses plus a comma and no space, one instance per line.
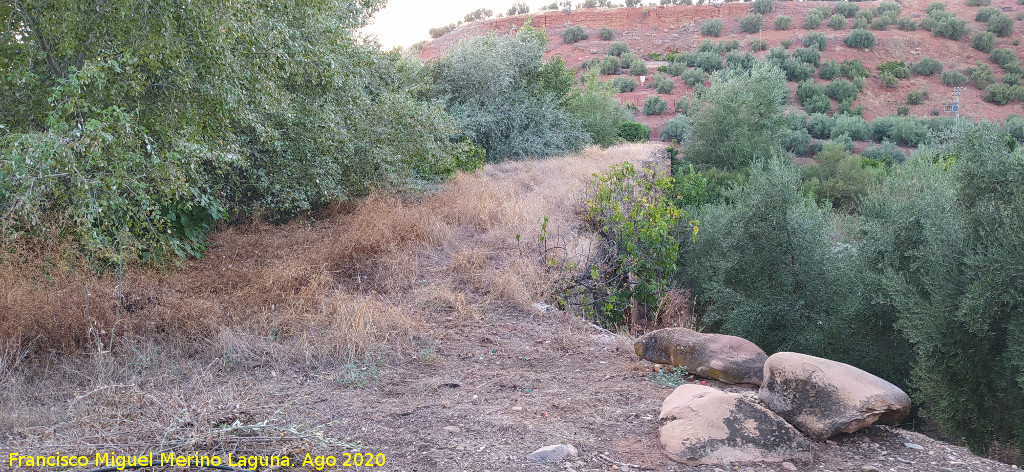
(482,376)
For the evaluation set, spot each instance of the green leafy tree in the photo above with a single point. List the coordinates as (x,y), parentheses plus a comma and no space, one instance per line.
(598,111)
(739,117)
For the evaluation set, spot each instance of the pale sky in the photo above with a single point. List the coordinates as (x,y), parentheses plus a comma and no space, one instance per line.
(406,22)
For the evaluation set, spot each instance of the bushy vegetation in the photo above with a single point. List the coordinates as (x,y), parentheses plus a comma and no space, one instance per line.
(861,39)
(1001,24)
(829,70)
(906,24)
(758,44)
(574,34)
(663,84)
(751,23)
(606,33)
(624,84)
(711,28)
(618,48)
(782,23)
(477,15)
(981,76)
(634,131)
(600,114)
(762,6)
(816,40)
(953,78)
(927,66)
(813,19)
(654,106)
(1006,58)
(677,129)
(944,24)
(846,9)
(441,31)
(837,22)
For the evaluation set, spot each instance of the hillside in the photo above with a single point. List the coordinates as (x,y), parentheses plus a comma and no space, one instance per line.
(665,29)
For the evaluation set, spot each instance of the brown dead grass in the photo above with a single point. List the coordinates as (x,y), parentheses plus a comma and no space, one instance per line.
(361,277)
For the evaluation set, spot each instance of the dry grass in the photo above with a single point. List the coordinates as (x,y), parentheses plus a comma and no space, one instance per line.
(361,278)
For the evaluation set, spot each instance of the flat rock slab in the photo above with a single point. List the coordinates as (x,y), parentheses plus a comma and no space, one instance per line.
(552,454)
(706,426)
(824,398)
(715,356)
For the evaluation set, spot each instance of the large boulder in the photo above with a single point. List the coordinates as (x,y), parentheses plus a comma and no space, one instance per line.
(704,426)
(715,356)
(824,398)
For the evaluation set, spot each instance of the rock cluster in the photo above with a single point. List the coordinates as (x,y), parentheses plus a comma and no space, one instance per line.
(798,393)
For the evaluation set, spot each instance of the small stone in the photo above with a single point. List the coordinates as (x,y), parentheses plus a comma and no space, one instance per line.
(788,466)
(552,454)
(869,468)
(452,429)
(946,469)
(914,446)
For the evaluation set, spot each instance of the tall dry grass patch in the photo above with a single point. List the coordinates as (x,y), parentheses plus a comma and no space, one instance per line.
(363,276)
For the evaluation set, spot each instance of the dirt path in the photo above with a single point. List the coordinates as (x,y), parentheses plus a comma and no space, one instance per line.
(480,378)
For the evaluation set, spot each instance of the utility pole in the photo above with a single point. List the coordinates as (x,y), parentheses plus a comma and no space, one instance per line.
(954,108)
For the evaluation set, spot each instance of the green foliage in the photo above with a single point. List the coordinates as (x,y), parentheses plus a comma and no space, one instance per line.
(1001,24)
(837,22)
(654,106)
(618,48)
(670,377)
(839,177)
(758,44)
(846,9)
(945,25)
(663,84)
(738,118)
(816,40)
(1006,58)
(937,7)
(706,61)
(887,153)
(786,43)
(810,56)
(624,84)
(629,207)
(574,34)
(693,77)
(711,28)
(677,129)
(906,24)
(806,90)
(904,131)
(927,66)
(829,70)
(610,65)
(738,60)
(985,13)
(820,125)
(507,99)
(600,114)
(944,233)
(751,23)
(762,6)
(634,132)
(518,8)
(1003,93)
(853,69)
(953,78)
(978,3)
(917,97)
(981,76)
(477,15)
(442,30)
(813,19)
(782,23)
(881,23)
(861,39)
(898,69)
(853,126)
(842,90)
(682,106)
(606,33)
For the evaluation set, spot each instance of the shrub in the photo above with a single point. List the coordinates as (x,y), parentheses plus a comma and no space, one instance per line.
(1001,94)
(606,33)
(677,129)
(861,39)
(692,77)
(811,56)
(618,48)
(847,9)
(829,70)
(917,97)
(751,23)
(981,76)
(906,24)
(853,68)
(818,104)
(936,7)
(762,6)
(624,84)
(654,106)
(574,34)
(707,46)
(888,79)
(983,41)
(786,43)
(728,45)
(1001,25)
(634,131)
(610,65)
(663,84)
(599,112)
(820,125)
(842,90)
(888,153)
(782,22)
(860,23)
(638,68)
(758,44)
(711,28)
(853,126)
(441,31)
(927,66)
(897,68)
(738,60)
(478,14)
(816,40)
(797,70)
(682,106)
(881,23)
(813,20)
(953,78)
(807,90)
(950,27)
(797,142)
(837,22)
(1006,58)
(978,3)
(866,15)
(707,61)
(985,13)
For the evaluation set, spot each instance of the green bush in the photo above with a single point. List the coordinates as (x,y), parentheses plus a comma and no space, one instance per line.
(888,79)
(751,23)
(599,112)
(634,131)
(663,84)
(707,61)
(606,33)
(782,23)
(978,3)
(677,129)
(866,15)
(953,78)
(981,76)
(711,28)
(738,60)
(853,126)
(888,153)
(758,44)
(816,40)
(917,97)
(853,69)
(682,106)
(813,20)
(654,106)
(477,15)
(860,23)
(1003,93)
(624,84)
(904,131)
(983,41)
(861,39)
(574,34)
(797,70)
(946,26)
(936,7)
(881,23)
(842,90)
(1001,25)
(837,22)
(618,48)
(983,14)
(442,30)
(847,9)
(762,6)
(797,142)
(786,43)
(927,66)
(693,77)
(811,56)
(726,46)
(708,46)
(610,65)
(1005,57)
(906,24)
(820,125)
(807,90)
(898,69)
(829,70)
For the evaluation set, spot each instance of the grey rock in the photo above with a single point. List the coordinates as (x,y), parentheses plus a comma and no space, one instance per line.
(716,356)
(869,468)
(914,446)
(552,454)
